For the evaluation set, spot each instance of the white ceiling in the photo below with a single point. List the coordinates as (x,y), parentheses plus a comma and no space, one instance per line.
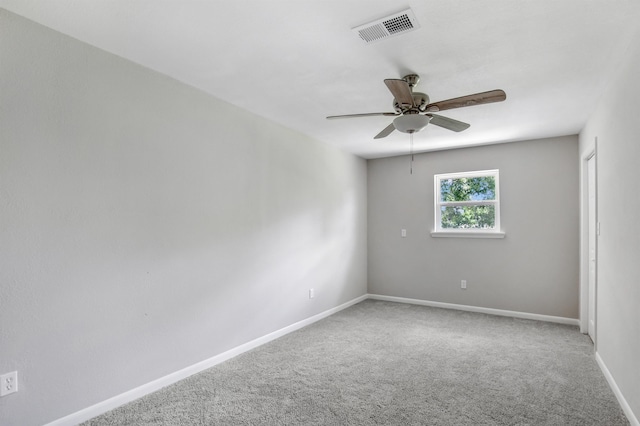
(297,61)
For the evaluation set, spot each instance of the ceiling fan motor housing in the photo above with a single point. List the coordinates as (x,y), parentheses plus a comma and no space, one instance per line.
(420,101)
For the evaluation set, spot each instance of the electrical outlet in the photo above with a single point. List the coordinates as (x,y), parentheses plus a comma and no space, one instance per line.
(8,383)
(311,293)
(463,284)
(403,233)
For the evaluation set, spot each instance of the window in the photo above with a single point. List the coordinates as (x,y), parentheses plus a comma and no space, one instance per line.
(467,204)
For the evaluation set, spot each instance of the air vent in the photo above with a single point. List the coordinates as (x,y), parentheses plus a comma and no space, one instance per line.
(399,23)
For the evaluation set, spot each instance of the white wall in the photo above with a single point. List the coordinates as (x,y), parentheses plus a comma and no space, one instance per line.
(534,269)
(615,123)
(146,226)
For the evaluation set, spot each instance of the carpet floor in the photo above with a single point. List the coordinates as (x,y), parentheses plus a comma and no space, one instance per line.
(383,363)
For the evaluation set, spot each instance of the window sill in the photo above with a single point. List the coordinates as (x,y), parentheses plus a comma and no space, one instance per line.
(467,234)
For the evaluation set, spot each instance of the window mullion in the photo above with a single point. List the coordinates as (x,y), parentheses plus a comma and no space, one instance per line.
(468,203)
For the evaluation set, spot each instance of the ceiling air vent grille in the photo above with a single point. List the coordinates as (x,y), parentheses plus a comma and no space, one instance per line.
(399,23)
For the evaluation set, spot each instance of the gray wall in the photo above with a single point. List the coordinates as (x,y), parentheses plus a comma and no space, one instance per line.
(533,269)
(615,123)
(146,226)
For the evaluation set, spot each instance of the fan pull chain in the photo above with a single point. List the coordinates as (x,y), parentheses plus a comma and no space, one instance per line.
(411,152)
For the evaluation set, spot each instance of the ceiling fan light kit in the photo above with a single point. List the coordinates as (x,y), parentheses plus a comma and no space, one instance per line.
(413,110)
(411,123)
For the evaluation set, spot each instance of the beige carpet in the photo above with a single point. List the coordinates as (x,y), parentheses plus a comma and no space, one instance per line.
(382,363)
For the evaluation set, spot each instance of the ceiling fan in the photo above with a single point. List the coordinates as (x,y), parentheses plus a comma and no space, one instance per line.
(413,111)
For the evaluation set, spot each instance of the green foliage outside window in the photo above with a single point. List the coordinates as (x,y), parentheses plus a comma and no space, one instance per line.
(468,216)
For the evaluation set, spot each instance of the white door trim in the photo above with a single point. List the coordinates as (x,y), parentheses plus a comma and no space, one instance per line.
(584,236)
(592,242)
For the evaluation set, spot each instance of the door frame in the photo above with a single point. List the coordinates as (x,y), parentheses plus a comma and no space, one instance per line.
(584,242)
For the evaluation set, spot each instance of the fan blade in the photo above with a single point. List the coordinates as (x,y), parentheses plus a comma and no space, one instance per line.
(469,100)
(400,90)
(386,132)
(448,123)
(367,114)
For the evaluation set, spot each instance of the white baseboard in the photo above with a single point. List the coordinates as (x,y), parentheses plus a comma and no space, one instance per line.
(633,420)
(491,311)
(126,397)
(139,392)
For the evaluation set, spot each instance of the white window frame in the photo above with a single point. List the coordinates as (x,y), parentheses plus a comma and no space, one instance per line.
(438,231)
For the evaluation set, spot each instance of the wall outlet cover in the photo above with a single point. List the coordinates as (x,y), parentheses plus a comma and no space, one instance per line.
(9,383)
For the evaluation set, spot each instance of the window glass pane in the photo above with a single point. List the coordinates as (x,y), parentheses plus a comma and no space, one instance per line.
(468,217)
(468,189)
